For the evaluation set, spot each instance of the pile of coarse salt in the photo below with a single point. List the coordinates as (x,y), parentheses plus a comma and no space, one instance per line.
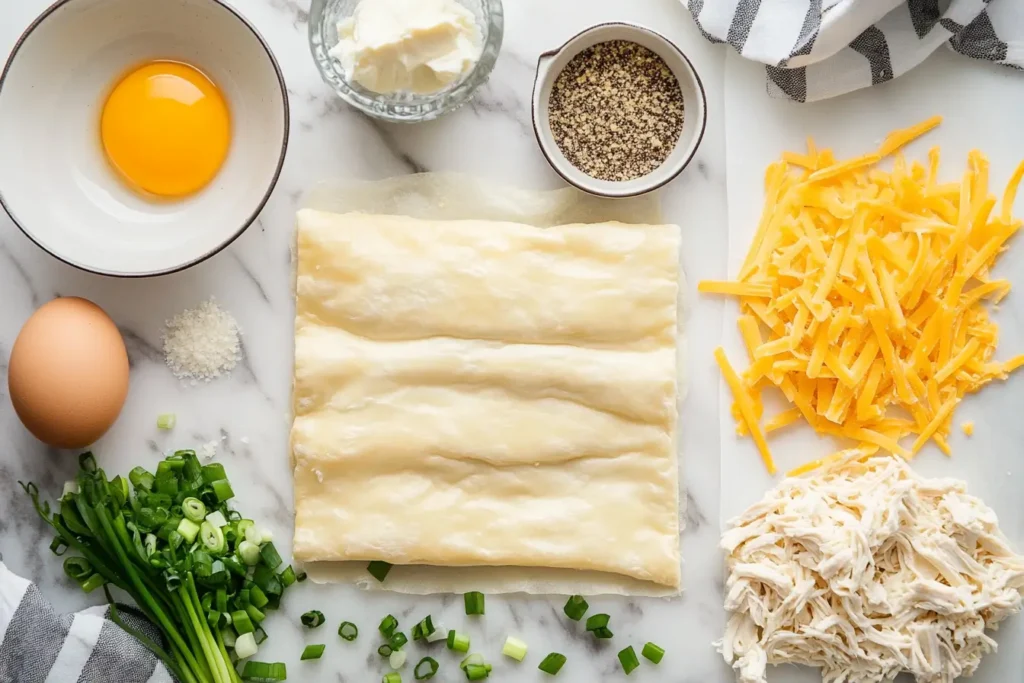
(202,343)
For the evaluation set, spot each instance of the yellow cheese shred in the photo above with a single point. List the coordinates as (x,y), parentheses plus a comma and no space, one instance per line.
(864,294)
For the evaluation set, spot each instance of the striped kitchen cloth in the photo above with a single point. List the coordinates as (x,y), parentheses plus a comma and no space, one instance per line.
(817,49)
(37,645)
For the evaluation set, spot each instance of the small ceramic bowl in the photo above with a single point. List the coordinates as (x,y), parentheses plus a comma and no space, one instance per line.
(55,181)
(551,64)
(324,16)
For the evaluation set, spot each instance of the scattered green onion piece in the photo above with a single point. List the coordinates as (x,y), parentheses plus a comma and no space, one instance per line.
(348,631)
(385,650)
(312,618)
(392,677)
(245,645)
(576,607)
(423,629)
(241,621)
(188,529)
(270,556)
(260,635)
(141,479)
(474,602)
(458,641)
(288,576)
(151,545)
(222,489)
(213,472)
(388,625)
(242,526)
(58,546)
(440,633)
(477,672)
(255,614)
(216,518)
(193,509)
(265,578)
(92,583)
(166,421)
(470,660)
(514,648)
(653,653)
(425,669)
(312,652)
(78,569)
(397,659)
(262,672)
(598,625)
(221,599)
(628,660)
(267,536)
(212,539)
(249,553)
(300,577)
(378,570)
(228,636)
(553,663)
(398,640)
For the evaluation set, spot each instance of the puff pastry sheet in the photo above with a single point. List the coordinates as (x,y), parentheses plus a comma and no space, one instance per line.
(487,394)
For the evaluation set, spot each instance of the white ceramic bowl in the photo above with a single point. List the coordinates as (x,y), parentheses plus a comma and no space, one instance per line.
(551,64)
(55,182)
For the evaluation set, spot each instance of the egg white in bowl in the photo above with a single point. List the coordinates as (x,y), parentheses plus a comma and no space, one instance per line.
(56,182)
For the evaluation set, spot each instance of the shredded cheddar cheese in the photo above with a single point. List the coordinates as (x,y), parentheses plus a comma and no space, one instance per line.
(863,297)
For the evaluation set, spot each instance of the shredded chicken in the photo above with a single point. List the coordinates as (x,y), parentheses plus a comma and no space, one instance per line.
(866,570)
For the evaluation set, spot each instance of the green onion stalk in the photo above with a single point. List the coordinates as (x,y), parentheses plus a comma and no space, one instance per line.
(172,544)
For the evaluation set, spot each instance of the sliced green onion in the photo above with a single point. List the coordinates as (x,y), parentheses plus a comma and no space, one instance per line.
(221,598)
(477,672)
(92,583)
(474,602)
(397,659)
(312,618)
(193,509)
(255,614)
(249,553)
(385,650)
(392,677)
(378,570)
(288,576)
(472,659)
(241,621)
(653,653)
(141,479)
(423,629)
(78,568)
(514,648)
(348,631)
(151,544)
(265,578)
(243,527)
(440,633)
(312,652)
(553,663)
(628,660)
(576,607)
(270,556)
(245,645)
(257,597)
(228,636)
(267,536)
(262,672)
(425,669)
(166,421)
(70,488)
(222,489)
(188,529)
(216,518)
(598,625)
(300,577)
(260,635)
(212,538)
(388,625)
(458,641)
(397,640)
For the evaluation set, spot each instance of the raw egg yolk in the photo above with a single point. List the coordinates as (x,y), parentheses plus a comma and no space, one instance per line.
(166,129)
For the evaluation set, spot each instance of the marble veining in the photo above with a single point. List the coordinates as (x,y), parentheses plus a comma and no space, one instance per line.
(246,414)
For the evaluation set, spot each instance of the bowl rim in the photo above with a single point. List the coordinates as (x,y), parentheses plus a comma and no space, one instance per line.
(245,224)
(580,183)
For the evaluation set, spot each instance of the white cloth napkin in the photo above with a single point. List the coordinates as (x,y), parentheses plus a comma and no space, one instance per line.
(817,49)
(37,645)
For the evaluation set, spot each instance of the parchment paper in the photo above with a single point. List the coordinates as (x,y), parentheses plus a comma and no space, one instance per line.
(451,196)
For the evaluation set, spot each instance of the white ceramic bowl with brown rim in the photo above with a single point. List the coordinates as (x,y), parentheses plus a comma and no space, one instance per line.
(550,65)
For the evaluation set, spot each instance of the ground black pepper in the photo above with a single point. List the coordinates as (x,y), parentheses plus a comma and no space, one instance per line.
(616,111)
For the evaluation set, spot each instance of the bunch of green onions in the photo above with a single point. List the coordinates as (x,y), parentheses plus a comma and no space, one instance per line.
(199,571)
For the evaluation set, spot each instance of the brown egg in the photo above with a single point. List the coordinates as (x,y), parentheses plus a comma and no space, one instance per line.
(68,373)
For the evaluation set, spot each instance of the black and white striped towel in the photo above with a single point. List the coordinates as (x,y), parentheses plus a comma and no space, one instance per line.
(817,49)
(37,645)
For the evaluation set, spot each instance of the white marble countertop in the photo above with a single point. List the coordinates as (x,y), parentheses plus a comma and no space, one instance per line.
(246,413)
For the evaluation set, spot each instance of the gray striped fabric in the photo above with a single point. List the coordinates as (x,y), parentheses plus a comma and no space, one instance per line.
(37,645)
(815,49)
